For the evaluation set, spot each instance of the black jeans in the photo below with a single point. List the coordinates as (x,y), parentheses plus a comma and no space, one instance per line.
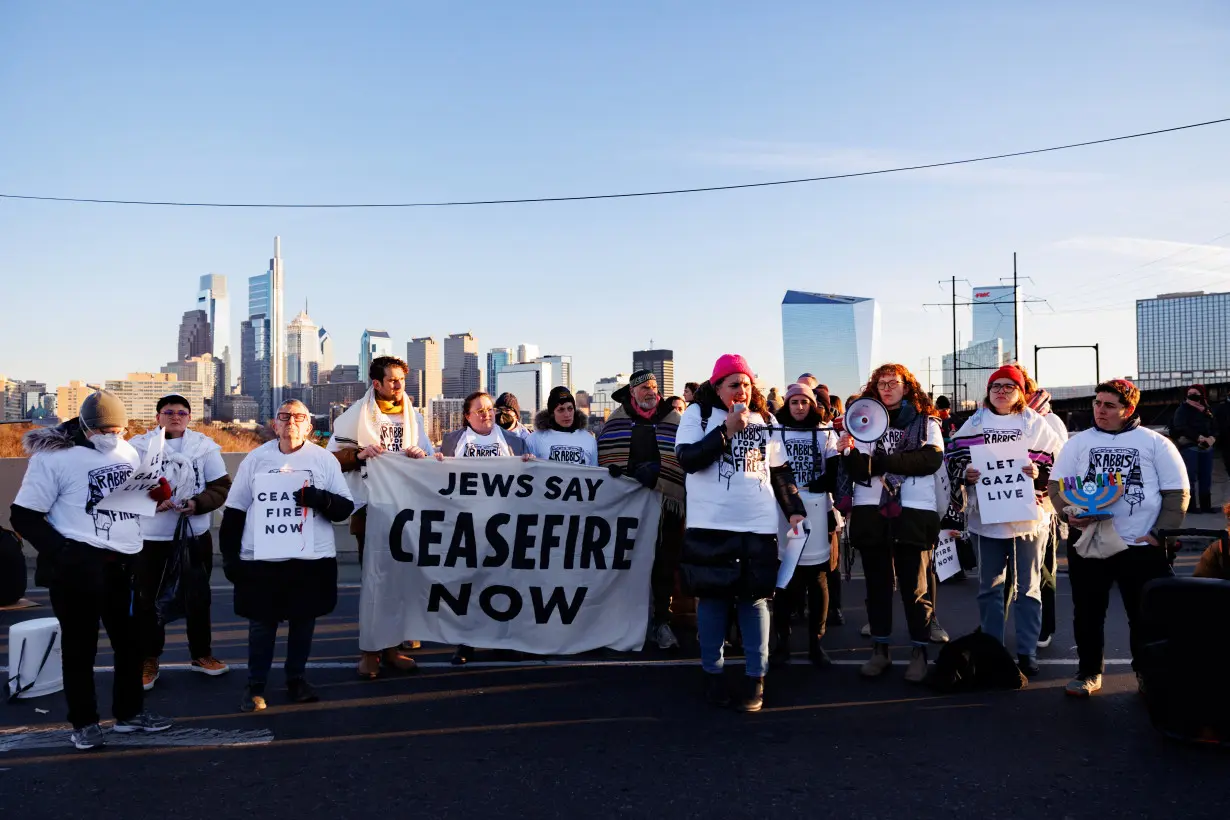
(151,563)
(1091,579)
(666,565)
(912,569)
(91,585)
(811,582)
(834,584)
(1050,571)
(262,635)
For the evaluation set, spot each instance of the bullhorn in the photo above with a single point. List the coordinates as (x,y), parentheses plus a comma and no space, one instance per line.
(866,420)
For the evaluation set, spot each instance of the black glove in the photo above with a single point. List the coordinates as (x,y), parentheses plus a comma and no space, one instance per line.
(312,498)
(816,486)
(232,568)
(615,470)
(647,474)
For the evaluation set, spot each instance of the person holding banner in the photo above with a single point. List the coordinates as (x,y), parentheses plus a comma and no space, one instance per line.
(86,558)
(893,519)
(508,416)
(192,464)
(481,437)
(277,548)
(737,477)
(811,446)
(383,421)
(999,462)
(561,432)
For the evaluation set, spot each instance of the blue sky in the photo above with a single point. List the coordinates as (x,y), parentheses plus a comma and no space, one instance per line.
(379,102)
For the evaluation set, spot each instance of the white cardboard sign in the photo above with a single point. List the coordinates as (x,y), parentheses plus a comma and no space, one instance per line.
(280,528)
(946,563)
(1005,494)
(133,495)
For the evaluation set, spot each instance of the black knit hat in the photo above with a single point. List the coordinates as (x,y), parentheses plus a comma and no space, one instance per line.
(560,395)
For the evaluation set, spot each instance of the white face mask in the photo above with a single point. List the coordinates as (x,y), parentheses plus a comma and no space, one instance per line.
(106,442)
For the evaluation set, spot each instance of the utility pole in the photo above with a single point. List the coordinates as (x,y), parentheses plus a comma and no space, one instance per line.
(955,397)
(1016,314)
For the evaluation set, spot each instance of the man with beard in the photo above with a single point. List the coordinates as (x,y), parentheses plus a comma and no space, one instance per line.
(382,422)
(638,440)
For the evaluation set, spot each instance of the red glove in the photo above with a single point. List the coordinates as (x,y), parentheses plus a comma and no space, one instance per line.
(163,491)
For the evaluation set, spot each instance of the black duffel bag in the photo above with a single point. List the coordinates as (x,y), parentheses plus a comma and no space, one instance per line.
(12,568)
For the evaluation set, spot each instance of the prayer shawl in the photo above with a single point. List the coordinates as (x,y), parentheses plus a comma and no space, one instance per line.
(359,427)
(1041,442)
(615,450)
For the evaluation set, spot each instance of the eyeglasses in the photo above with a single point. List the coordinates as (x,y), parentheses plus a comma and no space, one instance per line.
(888,385)
(178,414)
(290,416)
(1003,388)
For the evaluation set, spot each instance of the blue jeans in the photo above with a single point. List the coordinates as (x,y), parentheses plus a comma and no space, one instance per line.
(262,635)
(1199,465)
(1025,553)
(711,631)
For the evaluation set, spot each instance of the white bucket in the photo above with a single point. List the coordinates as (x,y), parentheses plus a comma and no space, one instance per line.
(28,643)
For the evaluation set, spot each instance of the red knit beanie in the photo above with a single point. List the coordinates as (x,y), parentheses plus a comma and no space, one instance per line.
(729,364)
(1008,371)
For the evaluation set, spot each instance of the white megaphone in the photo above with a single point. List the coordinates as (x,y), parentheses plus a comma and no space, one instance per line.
(866,420)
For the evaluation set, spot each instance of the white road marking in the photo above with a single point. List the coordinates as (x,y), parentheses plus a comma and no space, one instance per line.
(23,738)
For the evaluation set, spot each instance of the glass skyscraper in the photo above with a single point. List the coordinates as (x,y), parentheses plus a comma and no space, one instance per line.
(214,300)
(835,338)
(1182,338)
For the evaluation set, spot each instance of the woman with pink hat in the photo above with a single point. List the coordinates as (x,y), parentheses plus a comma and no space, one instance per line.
(738,476)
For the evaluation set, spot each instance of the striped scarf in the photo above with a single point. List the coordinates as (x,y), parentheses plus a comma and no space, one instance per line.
(615,449)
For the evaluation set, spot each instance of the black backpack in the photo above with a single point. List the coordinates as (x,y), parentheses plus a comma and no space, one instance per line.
(12,568)
(974,663)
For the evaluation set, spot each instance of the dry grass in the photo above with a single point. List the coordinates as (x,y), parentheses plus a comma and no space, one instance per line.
(230,439)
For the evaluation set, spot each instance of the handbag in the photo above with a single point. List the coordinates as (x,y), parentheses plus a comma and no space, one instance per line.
(183,579)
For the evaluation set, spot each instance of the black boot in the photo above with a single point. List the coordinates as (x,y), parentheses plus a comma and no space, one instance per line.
(462,655)
(300,691)
(817,656)
(1028,666)
(717,693)
(780,656)
(1206,503)
(753,695)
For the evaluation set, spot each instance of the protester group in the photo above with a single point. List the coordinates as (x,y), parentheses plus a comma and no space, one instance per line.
(741,479)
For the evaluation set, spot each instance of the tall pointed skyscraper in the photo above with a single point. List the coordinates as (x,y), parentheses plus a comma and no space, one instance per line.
(277,326)
(213,299)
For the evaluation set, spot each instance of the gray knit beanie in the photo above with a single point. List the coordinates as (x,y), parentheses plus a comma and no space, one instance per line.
(103,409)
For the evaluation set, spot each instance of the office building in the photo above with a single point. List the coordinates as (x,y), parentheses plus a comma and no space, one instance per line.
(443,416)
(277,326)
(372,345)
(331,395)
(531,383)
(561,369)
(140,393)
(254,363)
(526,353)
(835,338)
(21,399)
(343,373)
(212,297)
(975,364)
(237,409)
(996,310)
(661,363)
(1182,338)
(497,358)
(426,378)
(302,350)
(462,375)
(601,404)
(201,370)
(69,398)
(263,337)
(193,334)
(582,399)
(326,352)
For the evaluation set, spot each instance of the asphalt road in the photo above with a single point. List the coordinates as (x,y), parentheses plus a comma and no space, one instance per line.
(603,738)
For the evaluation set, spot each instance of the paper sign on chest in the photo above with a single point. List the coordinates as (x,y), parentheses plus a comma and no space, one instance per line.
(1005,494)
(133,495)
(281,529)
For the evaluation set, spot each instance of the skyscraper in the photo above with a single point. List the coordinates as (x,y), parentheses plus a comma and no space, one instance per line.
(835,338)
(497,357)
(424,382)
(461,370)
(527,353)
(373,345)
(326,352)
(561,370)
(193,334)
(531,383)
(277,326)
(302,350)
(214,300)
(254,363)
(662,363)
(996,316)
(265,292)
(1182,338)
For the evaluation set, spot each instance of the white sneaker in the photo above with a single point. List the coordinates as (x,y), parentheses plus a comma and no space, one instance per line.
(1044,642)
(865,631)
(665,637)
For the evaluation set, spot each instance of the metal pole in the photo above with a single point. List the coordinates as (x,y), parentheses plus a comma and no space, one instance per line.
(1097,366)
(1016,350)
(1036,364)
(955,396)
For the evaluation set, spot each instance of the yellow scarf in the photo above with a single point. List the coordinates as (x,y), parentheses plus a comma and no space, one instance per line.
(388,407)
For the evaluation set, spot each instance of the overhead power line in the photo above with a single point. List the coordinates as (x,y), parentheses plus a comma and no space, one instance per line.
(625,195)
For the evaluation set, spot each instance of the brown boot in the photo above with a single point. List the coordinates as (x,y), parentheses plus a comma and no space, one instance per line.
(394,658)
(369,665)
(879,663)
(917,670)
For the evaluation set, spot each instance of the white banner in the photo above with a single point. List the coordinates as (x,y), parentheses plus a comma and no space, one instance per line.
(281,529)
(498,553)
(946,562)
(133,495)
(1005,494)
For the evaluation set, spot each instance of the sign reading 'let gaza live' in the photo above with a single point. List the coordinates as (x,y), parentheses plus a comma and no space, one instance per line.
(1005,492)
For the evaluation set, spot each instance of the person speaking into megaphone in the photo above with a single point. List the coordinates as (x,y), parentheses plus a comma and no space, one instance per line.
(894,518)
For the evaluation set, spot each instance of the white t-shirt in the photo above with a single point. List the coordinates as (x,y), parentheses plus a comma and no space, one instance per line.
(577,447)
(733,493)
(67,484)
(801,448)
(1147,461)
(917,492)
(322,470)
(206,469)
(492,445)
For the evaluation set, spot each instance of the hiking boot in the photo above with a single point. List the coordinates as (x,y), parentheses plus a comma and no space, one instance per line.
(664,636)
(402,663)
(916,672)
(144,722)
(1028,665)
(410,646)
(1082,686)
(865,631)
(716,691)
(253,699)
(753,695)
(937,633)
(819,657)
(149,673)
(879,662)
(462,655)
(369,665)
(780,655)
(300,691)
(88,737)
(836,617)
(1044,641)
(209,665)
